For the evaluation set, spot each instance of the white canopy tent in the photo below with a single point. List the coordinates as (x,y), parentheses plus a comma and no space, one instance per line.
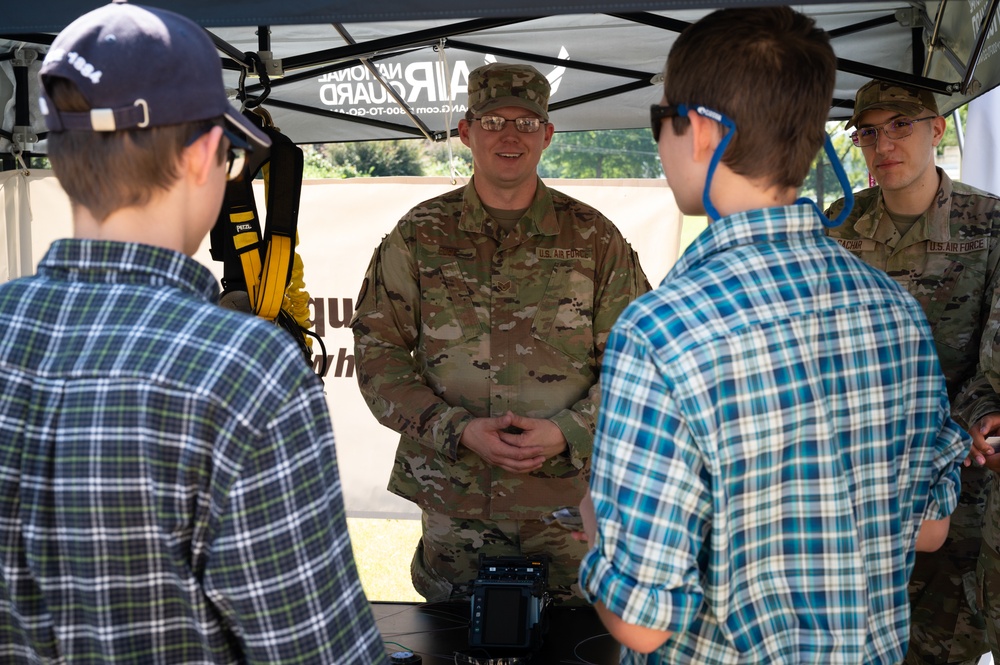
(345,71)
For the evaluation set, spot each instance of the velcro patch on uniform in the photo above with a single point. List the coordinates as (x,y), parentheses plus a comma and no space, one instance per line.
(977,245)
(457,252)
(562,254)
(856,244)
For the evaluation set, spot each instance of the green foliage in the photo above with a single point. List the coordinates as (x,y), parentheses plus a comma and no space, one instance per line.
(436,158)
(950,134)
(317,166)
(597,154)
(821,185)
(623,153)
(592,154)
(377,158)
(362,159)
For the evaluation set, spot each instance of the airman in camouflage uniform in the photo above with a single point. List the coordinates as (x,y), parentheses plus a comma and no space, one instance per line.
(939,239)
(479,334)
(988,569)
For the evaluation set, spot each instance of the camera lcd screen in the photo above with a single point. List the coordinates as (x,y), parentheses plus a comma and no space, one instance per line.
(504,616)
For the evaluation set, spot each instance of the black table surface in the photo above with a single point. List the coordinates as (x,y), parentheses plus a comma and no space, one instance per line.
(438,631)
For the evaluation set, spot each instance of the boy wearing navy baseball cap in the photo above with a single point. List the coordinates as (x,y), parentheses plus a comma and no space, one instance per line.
(169,490)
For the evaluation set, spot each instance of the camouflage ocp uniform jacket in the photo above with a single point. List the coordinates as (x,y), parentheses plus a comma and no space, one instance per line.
(949,262)
(459,319)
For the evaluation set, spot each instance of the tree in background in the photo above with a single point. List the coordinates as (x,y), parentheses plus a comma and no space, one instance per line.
(950,134)
(377,158)
(362,159)
(438,154)
(596,154)
(316,165)
(821,184)
(623,153)
(615,153)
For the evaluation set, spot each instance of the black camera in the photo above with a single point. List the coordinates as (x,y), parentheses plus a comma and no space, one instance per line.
(509,603)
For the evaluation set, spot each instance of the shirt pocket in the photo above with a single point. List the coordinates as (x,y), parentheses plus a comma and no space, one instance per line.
(448,307)
(952,298)
(565,316)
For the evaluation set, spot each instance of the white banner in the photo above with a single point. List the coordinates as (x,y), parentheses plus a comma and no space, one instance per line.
(980,167)
(340,224)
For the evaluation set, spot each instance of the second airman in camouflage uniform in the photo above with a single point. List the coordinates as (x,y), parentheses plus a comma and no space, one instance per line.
(988,568)
(941,240)
(479,334)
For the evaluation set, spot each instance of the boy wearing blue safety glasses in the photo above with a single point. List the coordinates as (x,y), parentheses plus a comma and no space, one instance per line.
(774,437)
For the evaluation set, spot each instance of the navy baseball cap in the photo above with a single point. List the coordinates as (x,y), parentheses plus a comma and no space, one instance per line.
(139,67)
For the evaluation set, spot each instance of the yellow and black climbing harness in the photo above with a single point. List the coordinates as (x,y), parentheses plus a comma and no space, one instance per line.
(262,273)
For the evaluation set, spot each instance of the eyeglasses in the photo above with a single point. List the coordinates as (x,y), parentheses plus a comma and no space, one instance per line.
(236,153)
(526,125)
(658,113)
(897,128)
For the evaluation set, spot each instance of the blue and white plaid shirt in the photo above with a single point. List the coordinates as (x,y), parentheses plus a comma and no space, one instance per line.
(168,482)
(774,427)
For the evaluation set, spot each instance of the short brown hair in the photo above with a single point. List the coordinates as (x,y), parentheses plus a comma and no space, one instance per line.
(106,171)
(772,72)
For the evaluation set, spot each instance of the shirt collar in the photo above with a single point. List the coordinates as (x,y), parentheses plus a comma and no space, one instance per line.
(934,225)
(746,228)
(109,262)
(540,217)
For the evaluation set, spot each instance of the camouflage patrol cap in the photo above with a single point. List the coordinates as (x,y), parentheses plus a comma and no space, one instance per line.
(892,96)
(499,84)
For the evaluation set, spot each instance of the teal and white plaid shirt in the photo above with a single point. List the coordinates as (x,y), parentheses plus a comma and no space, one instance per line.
(774,427)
